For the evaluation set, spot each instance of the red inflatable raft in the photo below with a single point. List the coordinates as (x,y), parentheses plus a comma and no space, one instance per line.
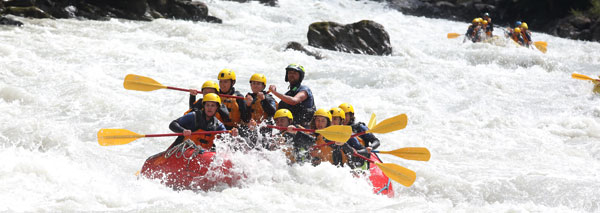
(381,183)
(187,167)
(190,168)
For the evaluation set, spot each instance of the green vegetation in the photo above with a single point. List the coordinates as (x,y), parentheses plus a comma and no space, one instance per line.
(593,11)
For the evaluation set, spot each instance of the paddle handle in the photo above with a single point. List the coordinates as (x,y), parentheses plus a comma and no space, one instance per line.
(295,129)
(181,134)
(222,95)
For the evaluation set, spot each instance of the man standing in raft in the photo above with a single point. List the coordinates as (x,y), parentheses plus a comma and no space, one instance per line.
(299,99)
(199,121)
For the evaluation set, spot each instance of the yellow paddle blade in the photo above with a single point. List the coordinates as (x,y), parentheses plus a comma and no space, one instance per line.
(141,83)
(581,76)
(453,35)
(540,45)
(372,121)
(411,153)
(111,137)
(339,133)
(391,124)
(398,173)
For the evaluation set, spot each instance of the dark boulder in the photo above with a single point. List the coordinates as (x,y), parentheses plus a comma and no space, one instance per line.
(31,12)
(292,45)
(8,21)
(272,3)
(144,10)
(363,37)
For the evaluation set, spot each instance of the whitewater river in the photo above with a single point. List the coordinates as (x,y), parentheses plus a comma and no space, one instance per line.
(508,128)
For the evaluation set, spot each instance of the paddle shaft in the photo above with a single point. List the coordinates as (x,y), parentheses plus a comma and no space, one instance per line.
(181,134)
(363,157)
(295,129)
(188,90)
(359,134)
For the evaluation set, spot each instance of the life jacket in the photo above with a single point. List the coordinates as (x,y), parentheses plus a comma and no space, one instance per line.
(525,36)
(257,112)
(200,125)
(304,111)
(515,37)
(325,153)
(235,115)
(203,140)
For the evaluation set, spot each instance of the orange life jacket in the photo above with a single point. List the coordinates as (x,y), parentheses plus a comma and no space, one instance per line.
(325,153)
(514,37)
(524,35)
(203,140)
(234,111)
(257,112)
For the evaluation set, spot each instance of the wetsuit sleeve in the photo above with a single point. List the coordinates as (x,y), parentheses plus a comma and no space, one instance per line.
(220,126)
(269,105)
(192,101)
(244,112)
(469,32)
(369,139)
(185,122)
(303,140)
(355,144)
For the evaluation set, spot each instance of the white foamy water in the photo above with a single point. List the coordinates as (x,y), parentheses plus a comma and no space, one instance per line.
(508,128)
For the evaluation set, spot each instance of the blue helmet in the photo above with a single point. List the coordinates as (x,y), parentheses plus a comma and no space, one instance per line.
(518,23)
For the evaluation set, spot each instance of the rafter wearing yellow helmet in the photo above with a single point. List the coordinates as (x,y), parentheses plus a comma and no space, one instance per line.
(340,152)
(261,105)
(238,110)
(526,34)
(367,140)
(200,121)
(474,29)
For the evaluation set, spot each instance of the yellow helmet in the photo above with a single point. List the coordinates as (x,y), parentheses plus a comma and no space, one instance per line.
(475,20)
(211,97)
(347,107)
(337,112)
(210,84)
(283,113)
(324,113)
(484,22)
(479,20)
(524,25)
(259,78)
(517,30)
(226,74)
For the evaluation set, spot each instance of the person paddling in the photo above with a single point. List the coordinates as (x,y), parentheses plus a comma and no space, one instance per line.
(488,25)
(207,87)
(337,153)
(299,99)
(367,140)
(238,111)
(474,30)
(298,143)
(199,121)
(515,35)
(596,85)
(261,105)
(525,34)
